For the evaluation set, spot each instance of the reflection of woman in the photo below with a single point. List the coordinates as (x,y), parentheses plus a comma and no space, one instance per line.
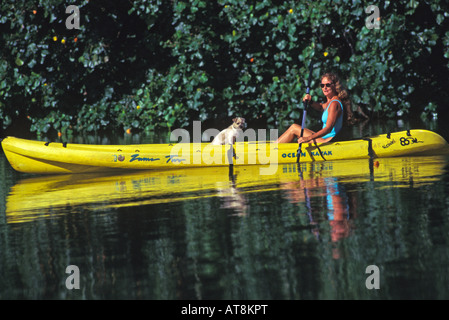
(336,110)
(337,208)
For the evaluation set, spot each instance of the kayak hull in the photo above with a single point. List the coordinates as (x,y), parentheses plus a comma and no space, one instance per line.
(40,157)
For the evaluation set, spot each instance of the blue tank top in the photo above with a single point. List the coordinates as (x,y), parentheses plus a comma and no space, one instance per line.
(338,123)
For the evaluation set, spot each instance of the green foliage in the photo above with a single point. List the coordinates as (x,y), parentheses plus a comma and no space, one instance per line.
(147,64)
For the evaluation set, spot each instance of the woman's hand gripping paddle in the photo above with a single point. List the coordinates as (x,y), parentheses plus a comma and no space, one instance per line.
(306,105)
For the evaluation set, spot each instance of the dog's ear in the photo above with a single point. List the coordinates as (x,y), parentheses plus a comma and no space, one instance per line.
(234,120)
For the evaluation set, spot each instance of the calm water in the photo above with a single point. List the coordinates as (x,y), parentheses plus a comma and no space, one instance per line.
(197,234)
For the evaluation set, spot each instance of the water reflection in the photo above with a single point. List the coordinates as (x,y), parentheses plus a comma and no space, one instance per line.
(39,197)
(333,205)
(232,195)
(206,234)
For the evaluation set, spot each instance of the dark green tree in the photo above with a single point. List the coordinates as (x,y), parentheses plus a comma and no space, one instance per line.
(147,64)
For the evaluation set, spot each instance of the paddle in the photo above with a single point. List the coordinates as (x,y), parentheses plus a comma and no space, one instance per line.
(306,105)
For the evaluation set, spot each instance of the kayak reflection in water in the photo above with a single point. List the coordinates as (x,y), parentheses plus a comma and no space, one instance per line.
(339,206)
(336,111)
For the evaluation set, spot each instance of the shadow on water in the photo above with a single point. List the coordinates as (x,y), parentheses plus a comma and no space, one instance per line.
(301,233)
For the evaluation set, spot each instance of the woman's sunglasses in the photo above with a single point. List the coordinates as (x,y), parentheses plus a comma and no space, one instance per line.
(327,85)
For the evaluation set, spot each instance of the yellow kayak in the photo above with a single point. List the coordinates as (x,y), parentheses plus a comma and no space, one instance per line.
(45,196)
(41,157)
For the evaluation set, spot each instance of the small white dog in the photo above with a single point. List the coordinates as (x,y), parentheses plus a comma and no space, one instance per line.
(231,133)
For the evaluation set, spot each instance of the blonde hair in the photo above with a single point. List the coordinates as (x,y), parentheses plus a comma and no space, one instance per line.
(343,95)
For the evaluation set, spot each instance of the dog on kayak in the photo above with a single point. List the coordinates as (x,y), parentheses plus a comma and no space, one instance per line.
(231,133)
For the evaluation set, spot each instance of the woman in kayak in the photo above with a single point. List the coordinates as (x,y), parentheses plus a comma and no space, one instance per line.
(336,110)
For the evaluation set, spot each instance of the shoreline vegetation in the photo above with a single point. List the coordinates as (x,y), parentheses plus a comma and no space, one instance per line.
(140,67)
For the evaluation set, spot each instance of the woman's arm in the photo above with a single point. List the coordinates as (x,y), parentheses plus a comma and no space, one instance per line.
(316,105)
